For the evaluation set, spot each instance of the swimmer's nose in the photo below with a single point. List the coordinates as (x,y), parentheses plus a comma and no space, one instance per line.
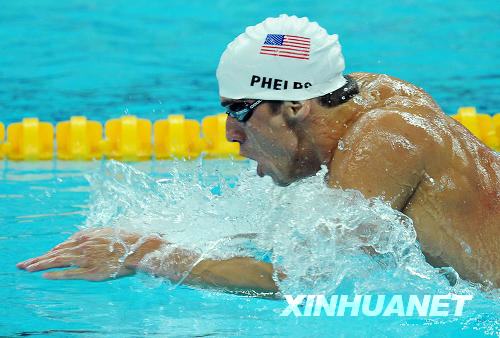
(234,131)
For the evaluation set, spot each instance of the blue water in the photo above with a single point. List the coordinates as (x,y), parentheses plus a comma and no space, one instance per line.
(107,58)
(41,204)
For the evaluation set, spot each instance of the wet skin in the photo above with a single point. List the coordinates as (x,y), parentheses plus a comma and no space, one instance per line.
(397,144)
(390,141)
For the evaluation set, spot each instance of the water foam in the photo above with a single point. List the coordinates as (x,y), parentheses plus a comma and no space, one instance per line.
(323,239)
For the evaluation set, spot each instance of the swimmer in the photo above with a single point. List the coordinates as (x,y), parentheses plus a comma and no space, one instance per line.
(292,109)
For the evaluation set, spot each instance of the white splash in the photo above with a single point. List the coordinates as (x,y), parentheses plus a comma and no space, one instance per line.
(318,236)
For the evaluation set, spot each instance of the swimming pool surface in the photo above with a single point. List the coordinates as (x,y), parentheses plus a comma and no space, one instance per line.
(104,59)
(42,204)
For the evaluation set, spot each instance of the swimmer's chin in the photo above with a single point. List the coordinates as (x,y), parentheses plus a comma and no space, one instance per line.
(260,171)
(281,183)
(278,181)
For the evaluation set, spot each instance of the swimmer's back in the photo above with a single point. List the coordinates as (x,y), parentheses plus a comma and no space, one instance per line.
(454,178)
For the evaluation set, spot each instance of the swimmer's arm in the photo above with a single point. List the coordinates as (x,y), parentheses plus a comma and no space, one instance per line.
(96,255)
(237,274)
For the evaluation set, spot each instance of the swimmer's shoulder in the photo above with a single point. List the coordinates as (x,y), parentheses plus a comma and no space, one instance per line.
(379,157)
(396,106)
(383,124)
(383,87)
(394,117)
(383,132)
(364,78)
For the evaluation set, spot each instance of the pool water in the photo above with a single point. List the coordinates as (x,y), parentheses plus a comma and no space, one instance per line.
(44,203)
(104,59)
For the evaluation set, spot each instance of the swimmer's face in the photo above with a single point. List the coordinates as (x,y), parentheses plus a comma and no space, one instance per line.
(267,138)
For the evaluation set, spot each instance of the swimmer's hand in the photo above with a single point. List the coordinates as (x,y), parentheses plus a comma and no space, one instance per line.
(94,255)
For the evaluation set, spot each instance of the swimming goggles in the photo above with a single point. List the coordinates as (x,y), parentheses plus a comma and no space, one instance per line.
(241,110)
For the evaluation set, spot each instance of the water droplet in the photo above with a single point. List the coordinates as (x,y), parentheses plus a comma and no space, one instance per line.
(341,145)
(466,247)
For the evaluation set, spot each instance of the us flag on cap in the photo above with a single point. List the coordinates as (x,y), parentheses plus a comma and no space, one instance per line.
(277,50)
(287,46)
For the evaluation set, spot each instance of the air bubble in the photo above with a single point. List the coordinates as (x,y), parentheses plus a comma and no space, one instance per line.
(341,145)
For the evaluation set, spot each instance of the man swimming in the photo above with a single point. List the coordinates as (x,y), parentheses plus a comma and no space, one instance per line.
(291,109)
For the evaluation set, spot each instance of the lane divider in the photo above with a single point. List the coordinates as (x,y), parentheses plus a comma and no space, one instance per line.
(79,139)
(177,137)
(496,125)
(214,137)
(30,140)
(130,138)
(480,125)
(2,137)
(127,138)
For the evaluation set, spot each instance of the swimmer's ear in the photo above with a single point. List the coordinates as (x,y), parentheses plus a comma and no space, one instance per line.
(296,111)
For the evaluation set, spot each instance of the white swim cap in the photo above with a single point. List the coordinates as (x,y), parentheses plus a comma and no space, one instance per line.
(285,58)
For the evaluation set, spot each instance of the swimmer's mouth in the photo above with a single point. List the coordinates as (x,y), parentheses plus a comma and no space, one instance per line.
(242,153)
(260,170)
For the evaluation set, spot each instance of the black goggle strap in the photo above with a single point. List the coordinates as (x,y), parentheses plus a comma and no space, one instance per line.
(348,91)
(255,104)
